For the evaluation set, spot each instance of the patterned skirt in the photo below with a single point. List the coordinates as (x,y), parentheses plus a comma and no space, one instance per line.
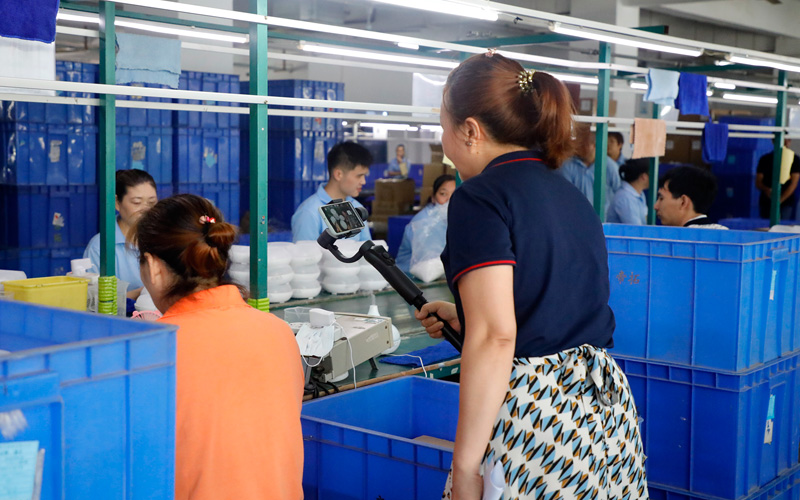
(568,430)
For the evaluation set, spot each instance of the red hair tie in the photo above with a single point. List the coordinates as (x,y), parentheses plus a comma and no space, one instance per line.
(205,219)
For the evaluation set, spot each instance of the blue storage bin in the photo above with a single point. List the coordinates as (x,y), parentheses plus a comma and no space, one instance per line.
(303,89)
(397,227)
(724,434)
(98,394)
(284,196)
(301,156)
(206,155)
(737,196)
(40,262)
(224,196)
(48,216)
(741,224)
(148,149)
(361,443)
(143,117)
(207,82)
(726,300)
(376,171)
(757,145)
(416,171)
(784,487)
(45,154)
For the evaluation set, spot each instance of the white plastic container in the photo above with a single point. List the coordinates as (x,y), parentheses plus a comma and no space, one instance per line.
(305,288)
(340,285)
(341,271)
(240,254)
(279,275)
(240,277)
(279,293)
(306,253)
(279,254)
(306,272)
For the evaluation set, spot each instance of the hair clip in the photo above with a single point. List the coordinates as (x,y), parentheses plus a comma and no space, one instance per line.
(490,52)
(205,219)
(525,80)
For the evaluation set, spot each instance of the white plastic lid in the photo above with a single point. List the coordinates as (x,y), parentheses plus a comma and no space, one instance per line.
(240,254)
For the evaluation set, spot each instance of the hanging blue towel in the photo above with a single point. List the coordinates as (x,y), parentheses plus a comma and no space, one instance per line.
(29,19)
(147,59)
(692,98)
(715,142)
(442,351)
(662,87)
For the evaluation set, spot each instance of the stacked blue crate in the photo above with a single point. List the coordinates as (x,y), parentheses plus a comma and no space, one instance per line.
(708,334)
(206,146)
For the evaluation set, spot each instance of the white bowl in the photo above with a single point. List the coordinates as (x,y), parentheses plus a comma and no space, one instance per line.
(280,293)
(373,285)
(341,284)
(240,254)
(306,253)
(241,278)
(341,271)
(305,289)
(306,272)
(279,254)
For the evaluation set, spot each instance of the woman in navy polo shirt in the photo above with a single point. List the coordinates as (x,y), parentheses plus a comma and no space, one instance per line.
(526,262)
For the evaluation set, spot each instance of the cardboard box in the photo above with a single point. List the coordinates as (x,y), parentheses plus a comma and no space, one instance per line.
(425,195)
(588,107)
(437,154)
(394,190)
(432,171)
(684,149)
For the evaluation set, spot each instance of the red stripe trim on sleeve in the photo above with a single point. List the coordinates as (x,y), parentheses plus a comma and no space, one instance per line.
(485,264)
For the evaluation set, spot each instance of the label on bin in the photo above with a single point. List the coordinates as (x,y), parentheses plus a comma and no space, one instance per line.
(58,220)
(772,286)
(18,469)
(771,409)
(55,151)
(768,432)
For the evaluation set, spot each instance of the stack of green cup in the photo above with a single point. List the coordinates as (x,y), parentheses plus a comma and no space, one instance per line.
(107,293)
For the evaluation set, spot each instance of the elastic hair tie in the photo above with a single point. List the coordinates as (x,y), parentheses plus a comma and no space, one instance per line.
(525,80)
(205,219)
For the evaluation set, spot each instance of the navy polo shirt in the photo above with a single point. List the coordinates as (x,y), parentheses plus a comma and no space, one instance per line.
(518,212)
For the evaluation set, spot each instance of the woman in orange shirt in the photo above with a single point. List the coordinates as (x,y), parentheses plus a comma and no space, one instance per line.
(239,378)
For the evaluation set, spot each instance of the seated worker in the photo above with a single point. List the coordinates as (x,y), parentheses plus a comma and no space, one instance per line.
(135,194)
(239,380)
(443,188)
(579,169)
(790,176)
(348,166)
(685,195)
(629,205)
(615,143)
(398,166)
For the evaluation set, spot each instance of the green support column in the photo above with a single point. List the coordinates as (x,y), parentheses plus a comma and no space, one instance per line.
(258,161)
(106,168)
(601,136)
(780,121)
(652,192)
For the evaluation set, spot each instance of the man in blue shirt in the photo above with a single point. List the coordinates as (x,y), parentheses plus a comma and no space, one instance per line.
(615,143)
(348,166)
(579,169)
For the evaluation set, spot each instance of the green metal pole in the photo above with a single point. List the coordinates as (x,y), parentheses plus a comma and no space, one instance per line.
(780,121)
(652,192)
(601,136)
(258,161)
(106,166)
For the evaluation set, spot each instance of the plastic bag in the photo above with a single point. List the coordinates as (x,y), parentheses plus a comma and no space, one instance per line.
(427,244)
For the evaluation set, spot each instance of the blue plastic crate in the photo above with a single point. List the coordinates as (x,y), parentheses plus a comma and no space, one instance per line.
(737,197)
(416,172)
(361,443)
(301,156)
(143,117)
(376,171)
(785,487)
(303,89)
(40,262)
(724,434)
(44,154)
(741,224)
(224,196)
(148,149)
(397,227)
(761,146)
(207,82)
(284,196)
(47,216)
(726,300)
(98,394)
(206,155)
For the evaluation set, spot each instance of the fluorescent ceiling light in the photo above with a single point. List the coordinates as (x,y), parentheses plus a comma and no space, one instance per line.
(391,126)
(339,51)
(432,128)
(638,85)
(665,110)
(709,93)
(407,45)
(750,98)
(207,35)
(724,86)
(722,63)
(447,7)
(155,28)
(764,62)
(590,80)
(630,42)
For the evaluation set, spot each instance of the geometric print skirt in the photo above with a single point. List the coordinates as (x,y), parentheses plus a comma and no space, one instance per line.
(568,429)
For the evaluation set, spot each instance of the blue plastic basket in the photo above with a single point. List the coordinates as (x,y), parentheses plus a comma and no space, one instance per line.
(726,300)
(705,431)
(785,487)
(143,117)
(224,196)
(40,262)
(206,155)
(207,82)
(285,196)
(98,395)
(360,444)
(742,224)
(300,156)
(47,216)
(148,149)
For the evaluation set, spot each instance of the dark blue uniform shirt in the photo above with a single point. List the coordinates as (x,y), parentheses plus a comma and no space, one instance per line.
(518,212)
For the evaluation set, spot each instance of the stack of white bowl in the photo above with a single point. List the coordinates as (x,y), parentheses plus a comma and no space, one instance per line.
(279,270)
(337,277)
(305,264)
(369,277)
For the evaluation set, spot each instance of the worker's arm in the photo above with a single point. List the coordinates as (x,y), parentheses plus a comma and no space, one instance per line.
(761,187)
(487,296)
(786,193)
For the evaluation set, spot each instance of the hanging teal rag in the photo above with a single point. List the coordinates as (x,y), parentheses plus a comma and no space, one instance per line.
(29,19)
(146,59)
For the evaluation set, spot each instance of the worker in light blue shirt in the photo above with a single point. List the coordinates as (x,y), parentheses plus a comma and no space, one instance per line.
(135,194)
(615,143)
(579,169)
(348,166)
(629,205)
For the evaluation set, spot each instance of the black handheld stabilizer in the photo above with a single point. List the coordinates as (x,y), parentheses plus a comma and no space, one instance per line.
(380,259)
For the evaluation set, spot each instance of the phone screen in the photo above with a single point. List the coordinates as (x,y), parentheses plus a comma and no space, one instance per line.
(341,218)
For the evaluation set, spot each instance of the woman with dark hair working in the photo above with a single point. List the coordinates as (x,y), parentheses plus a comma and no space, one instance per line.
(239,379)
(526,261)
(629,205)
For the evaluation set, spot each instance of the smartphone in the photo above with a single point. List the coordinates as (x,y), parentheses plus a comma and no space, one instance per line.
(342,218)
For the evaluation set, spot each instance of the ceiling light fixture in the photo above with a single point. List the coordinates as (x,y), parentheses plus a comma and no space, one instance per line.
(447,7)
(750,98)
(630,42)
(407,45)
(638,85)
(764,63)
(589,80)
(724,86)
(377,56)
(390,126)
